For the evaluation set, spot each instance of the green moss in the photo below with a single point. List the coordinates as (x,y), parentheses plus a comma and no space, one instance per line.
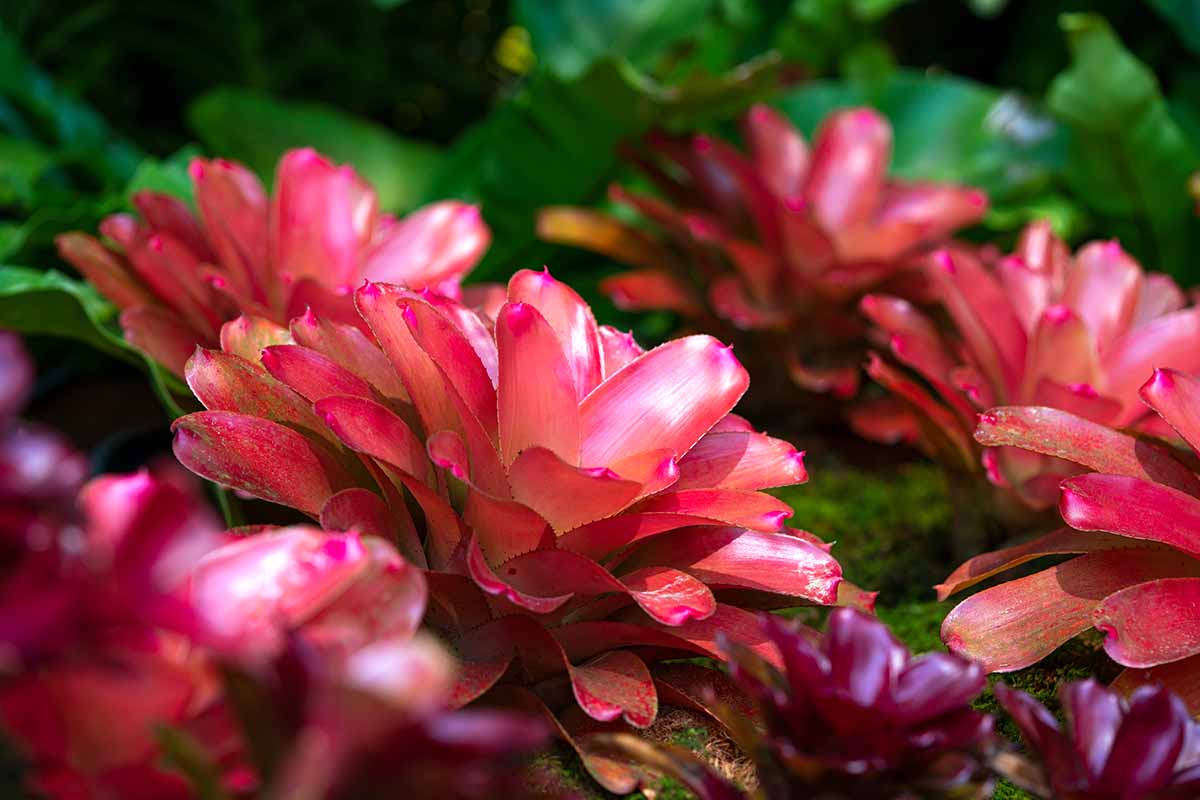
(693,739)
(560,773)
(917,624)
(1082,657)
(1006,791)
(892,530)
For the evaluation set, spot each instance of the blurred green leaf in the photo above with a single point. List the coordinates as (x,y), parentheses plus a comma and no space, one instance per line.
(556,142)
(1184,16)
(167,175)
(870,60)
(22,164)
(49,303)
(987,8)
(947,129)
(570,35)
(30,240)
(256,128)
(871,10)
(35,107)
(181,751)
(1129,161)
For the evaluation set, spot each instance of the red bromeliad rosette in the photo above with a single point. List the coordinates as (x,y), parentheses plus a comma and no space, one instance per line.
(1135,535)
(177,277)
(581,506)
(1041,327)
(851,715)
(1146,747)
(781,239)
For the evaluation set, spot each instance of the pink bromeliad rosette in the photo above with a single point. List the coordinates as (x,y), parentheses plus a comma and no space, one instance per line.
(774,242)
(178,276)
(582,507)
(1042,327)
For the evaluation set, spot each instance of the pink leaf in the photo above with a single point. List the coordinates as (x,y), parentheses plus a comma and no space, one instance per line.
(537,395)
(1063,435)
(1018,623)
(1151,623)
(616,684)
(261,458)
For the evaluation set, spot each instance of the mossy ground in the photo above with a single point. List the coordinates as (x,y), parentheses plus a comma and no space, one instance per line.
(892,531)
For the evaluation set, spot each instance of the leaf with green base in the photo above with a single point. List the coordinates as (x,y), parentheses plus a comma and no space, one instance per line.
(256,128)
(1129,161)
(187,756)
(167,176)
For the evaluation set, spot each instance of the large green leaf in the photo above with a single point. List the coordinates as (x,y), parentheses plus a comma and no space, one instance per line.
(257,128)
(947,129)
(570,35)
(1129,162)
(556,142)
(49,303)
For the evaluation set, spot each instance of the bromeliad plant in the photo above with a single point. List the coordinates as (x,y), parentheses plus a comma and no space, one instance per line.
(1145,747)
(1135,574)
(1042,328)
(850,715)
(581,506)
(780,240)
(178,276)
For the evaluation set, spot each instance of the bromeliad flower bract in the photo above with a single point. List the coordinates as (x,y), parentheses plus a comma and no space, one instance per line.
(851,715)
(1145,747)
(1042,327)
(574,496)
(1136,571)
(781,239)
(177,277)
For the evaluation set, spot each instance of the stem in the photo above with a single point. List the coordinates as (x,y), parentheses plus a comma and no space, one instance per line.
(162,391)
(231,510)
